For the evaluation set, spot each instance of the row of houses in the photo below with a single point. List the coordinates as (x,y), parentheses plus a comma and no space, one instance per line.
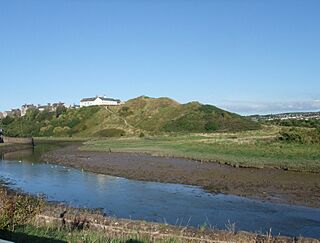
(94,101)
(24,108)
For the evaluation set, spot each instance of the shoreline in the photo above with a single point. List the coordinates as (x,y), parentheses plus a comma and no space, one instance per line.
(268,184)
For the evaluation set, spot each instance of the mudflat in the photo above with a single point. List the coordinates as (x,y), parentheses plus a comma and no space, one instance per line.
(276,185)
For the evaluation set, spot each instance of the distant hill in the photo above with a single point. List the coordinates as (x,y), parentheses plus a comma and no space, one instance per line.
(142,115)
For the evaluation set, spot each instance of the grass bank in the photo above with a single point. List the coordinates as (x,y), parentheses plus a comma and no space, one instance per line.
(258,149)
(53,234)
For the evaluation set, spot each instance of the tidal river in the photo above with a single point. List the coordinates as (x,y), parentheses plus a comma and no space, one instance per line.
(170,203)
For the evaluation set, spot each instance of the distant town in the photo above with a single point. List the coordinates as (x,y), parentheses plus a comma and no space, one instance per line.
(93,101)
(287,116)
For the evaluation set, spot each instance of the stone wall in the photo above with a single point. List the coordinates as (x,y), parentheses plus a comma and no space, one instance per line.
(18,140)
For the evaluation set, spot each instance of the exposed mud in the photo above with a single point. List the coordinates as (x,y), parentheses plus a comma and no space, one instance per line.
(274,185)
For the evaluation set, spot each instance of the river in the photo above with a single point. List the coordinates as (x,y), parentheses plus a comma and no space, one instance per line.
(167,203)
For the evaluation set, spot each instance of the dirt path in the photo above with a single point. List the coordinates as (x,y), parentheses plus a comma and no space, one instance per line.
(268,184)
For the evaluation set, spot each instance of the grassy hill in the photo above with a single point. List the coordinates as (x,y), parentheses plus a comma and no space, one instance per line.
(142,115)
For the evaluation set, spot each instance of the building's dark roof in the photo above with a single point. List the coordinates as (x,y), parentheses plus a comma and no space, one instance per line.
(43,106)
(28,105)
(58,104)
(102,98)
(88,99)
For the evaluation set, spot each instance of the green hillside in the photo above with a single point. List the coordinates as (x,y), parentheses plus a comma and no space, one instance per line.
(142,115)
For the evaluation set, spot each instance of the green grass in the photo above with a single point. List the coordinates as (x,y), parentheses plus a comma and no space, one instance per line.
(34,234)
(30,233)
(249,149)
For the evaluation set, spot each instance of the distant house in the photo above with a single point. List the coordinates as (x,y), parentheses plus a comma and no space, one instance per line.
(44,107)
(16,112)
(74,106)
(1,115)
(100,101)
(51,107)
(6,113)
(54,106)
(25,108)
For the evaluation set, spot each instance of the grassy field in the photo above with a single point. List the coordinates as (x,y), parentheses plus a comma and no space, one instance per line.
(260,148)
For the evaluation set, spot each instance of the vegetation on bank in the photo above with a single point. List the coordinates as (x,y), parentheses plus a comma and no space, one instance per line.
(269,147)
(142,115)
(18,224)
(17,210)
(40,234)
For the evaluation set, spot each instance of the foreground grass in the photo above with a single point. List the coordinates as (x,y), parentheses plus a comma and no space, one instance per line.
(248,149)
(31,233)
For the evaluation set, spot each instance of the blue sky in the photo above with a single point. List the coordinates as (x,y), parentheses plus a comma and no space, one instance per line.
(248,56)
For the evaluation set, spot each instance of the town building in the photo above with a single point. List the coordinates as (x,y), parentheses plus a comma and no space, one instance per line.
(44,107)
(16,112)
(74,106)
(51,107)
(6,113)
(25,108)
(54,106)
(99,101)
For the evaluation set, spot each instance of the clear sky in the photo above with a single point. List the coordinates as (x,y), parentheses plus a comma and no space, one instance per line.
(248,56)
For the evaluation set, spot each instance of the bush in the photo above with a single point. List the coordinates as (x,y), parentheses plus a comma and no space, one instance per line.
(17,210)
(7,120)
(297,135)
(141,135)
(61,131)
(46,131)
(111,132)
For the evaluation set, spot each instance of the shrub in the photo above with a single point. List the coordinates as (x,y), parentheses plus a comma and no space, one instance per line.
(298,135)
(111,132)
(141,135)
(7,120)
(62,131)
(46,131)
(17,210)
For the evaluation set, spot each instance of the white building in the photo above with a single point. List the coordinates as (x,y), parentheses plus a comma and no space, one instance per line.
(100,101)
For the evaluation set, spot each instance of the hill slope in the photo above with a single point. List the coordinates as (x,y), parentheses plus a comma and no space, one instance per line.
(139,115)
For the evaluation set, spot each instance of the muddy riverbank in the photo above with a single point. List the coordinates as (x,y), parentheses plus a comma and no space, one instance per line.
(274,185)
